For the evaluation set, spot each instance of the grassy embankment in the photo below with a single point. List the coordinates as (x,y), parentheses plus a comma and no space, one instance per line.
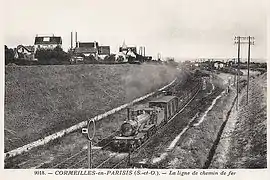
(41,100)
(244,141)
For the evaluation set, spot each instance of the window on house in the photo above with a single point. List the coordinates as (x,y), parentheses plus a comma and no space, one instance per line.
(46,39)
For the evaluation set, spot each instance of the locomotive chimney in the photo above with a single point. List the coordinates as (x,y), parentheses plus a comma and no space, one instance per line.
(128,113)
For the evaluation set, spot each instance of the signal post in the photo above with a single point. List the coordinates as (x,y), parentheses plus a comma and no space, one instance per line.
(90,131)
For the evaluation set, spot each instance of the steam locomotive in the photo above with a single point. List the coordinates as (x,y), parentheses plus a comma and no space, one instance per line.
(143,122)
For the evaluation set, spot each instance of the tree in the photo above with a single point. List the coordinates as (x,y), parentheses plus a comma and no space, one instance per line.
(110,58)
(52,56)
(9,55)
(90,59)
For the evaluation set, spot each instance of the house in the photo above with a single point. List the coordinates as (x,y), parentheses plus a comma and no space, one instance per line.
(47,42)
(126,53)
(219,64)
(125,49)
(104,50)
(87,48)
(25,49)
(25,52)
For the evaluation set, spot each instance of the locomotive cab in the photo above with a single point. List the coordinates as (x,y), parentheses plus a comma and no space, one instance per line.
(134,112)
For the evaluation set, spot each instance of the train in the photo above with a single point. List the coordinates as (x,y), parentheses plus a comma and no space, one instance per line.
(143,122)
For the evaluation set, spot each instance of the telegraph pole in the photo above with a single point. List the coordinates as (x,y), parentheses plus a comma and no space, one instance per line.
(238,62)
(249,42)
(248,66)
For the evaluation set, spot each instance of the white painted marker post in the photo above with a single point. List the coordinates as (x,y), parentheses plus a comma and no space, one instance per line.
(90,131)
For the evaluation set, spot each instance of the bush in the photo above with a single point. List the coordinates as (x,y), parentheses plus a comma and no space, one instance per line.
(52,56)
(110,58)
(90,60)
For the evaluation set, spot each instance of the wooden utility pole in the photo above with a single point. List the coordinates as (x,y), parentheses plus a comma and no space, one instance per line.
(248,66)
(238,62)
(249,42)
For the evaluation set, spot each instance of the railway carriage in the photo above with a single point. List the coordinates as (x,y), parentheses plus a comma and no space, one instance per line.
(169,105)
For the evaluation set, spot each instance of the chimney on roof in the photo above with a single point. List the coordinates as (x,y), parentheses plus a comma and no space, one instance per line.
(76,40)
(71,40)
(143,50)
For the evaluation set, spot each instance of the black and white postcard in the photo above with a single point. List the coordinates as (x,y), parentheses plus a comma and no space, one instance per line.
(134,89)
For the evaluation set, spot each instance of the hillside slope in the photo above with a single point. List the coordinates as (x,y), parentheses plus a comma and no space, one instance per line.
(244,140)
(40,100)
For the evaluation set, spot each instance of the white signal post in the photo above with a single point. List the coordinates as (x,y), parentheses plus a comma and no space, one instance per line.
(90,136)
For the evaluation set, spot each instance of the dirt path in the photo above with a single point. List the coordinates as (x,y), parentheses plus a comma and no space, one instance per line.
(193,138)
(243,143)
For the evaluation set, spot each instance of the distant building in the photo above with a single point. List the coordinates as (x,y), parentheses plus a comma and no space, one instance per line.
(25,52)
(25,49)
(104,50)
(148,58)
(125,49)
(47,42)
(219,64)
(87,48)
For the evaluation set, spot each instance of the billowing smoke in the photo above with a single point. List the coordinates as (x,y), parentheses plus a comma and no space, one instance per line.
(143,79)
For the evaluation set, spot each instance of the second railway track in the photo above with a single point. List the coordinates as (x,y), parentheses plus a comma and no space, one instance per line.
(102,156)
(111,160)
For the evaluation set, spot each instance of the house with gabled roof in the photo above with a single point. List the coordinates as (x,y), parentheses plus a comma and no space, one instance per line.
(104,50)
(25,52)
(47,42)
(125,49)
(87,48)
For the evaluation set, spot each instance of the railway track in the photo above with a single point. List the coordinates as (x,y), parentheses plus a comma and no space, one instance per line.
(80,156)
(102,156)
(116,160)
(157,154)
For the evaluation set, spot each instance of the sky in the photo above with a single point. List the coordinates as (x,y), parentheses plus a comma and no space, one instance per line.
(174,28)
